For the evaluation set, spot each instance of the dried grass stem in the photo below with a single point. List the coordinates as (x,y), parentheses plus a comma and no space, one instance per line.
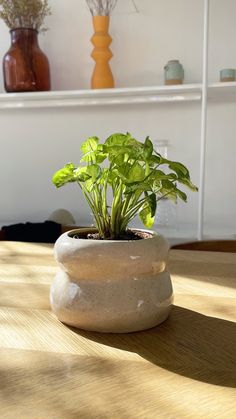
(101,7)
(24,13)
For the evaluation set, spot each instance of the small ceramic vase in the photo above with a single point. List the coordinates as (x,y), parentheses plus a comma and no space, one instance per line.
(174,72)
(102,77)
(228,74)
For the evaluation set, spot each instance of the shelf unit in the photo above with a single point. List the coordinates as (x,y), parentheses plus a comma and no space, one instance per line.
(222,91)
(120,96)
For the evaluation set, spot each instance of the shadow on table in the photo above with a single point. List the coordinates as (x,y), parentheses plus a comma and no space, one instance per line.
(188,343)
(222,274)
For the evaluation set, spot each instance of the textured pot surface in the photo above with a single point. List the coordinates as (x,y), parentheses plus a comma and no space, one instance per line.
(111,286)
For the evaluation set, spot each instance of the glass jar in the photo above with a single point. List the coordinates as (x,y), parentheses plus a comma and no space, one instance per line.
(161,147)
(25,66)
(166,219)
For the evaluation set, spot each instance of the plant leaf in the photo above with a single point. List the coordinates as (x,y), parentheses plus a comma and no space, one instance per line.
(145,215)
(137,186)
(181,195)
(88,149)
(89,145)
(189,184)
(100,154)
(81,174)
(148,148)
(116,139)
(136,173)
(152,204)
(154,159)
(94,171)
(180,169)
(64,175)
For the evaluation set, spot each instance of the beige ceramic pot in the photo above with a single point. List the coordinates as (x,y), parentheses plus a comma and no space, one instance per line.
(111,286)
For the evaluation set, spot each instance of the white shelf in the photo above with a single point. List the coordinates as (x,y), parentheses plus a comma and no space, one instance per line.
(100,97)
(222,91)
(119,96)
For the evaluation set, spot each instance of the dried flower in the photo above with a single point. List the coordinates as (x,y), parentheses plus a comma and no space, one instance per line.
(101,7)
(24,13)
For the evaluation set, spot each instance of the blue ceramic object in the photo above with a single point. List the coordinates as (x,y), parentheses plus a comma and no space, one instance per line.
(228,74)
(174,72)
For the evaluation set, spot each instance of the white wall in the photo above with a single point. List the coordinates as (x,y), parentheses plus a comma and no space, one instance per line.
(34,143)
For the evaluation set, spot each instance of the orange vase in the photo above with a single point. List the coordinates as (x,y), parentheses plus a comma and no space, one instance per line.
(102,77)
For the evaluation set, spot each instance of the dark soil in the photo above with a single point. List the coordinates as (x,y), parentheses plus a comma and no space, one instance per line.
(129,235)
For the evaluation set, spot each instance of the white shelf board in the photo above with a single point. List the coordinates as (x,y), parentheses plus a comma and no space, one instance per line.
(222,91)
(102,97)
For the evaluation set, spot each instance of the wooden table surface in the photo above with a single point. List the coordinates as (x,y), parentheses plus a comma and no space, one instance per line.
(184,368)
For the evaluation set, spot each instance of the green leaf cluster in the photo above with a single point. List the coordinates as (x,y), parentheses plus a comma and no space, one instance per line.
(137,175)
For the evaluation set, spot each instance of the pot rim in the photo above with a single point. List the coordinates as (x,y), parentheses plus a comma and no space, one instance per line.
(153,234)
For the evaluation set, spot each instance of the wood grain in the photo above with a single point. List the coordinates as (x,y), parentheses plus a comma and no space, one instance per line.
(185,368)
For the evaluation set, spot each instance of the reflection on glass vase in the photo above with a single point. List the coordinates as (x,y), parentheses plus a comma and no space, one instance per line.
(166,220)
(25,66)
(161,146)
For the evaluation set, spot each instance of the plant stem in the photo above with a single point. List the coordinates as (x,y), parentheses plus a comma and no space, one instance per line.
(115,208)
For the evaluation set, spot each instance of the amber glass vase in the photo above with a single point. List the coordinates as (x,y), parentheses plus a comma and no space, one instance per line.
(25,66)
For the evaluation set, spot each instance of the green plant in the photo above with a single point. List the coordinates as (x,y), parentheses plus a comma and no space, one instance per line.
(133,174)
(24,13)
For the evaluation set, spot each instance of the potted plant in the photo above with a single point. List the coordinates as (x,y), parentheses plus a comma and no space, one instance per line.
(25,66)
(113,278)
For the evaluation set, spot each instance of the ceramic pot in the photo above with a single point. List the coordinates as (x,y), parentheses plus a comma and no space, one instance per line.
(102,77)
(25,66)
(228,74)
(174,72)
(111,286)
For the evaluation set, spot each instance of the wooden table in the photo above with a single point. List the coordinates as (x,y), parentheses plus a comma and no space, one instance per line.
(185,368)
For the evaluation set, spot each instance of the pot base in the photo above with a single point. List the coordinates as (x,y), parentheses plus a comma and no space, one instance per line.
(112,306)
(123,329)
